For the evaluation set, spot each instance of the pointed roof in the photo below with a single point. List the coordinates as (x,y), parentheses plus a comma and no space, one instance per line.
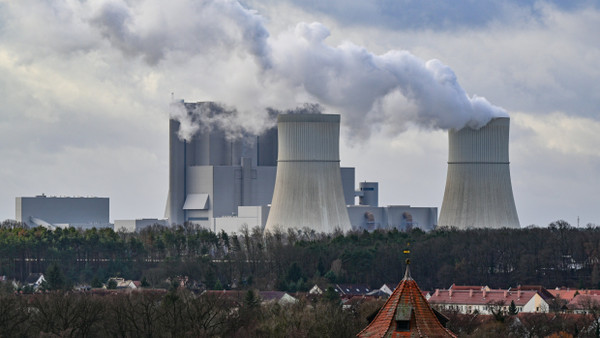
(406,314)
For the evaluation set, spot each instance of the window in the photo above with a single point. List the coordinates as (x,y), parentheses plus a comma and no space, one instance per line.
(403,325)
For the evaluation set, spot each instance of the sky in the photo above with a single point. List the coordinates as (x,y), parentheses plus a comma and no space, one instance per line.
(86,90)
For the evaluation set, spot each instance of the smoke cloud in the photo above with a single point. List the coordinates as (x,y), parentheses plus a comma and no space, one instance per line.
(395,89)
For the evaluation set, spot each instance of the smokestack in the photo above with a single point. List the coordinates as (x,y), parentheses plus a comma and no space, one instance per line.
(478,188)
(308,186)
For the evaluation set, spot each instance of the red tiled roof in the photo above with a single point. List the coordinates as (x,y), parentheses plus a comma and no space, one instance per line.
(466,287)
(589,292)
(584,302)
(564,294)
(474,297)
(406,301)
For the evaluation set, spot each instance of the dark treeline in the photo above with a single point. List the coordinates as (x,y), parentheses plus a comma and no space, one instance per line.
(559,255)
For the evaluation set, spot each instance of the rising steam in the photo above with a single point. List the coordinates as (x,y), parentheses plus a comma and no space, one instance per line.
(395,89)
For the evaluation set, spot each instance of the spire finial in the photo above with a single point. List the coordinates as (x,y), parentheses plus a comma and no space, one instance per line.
(407,272)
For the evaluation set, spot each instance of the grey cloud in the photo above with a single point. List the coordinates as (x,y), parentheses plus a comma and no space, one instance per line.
(433,14)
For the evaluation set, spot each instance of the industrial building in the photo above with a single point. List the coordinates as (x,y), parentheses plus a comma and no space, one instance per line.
(135,225)
(478,190)
(62,212)
(308,188)
(224,183)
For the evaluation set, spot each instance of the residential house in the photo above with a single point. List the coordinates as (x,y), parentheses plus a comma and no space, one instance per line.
(34,280)
(125,283)
(529,299)
(351,290)
(584,304)
(237,296)
(564,293)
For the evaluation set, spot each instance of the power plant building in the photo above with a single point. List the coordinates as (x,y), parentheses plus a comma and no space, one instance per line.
(62,212)
(224,183)
(478,191)
(136,225)
(308,188)
(370,216)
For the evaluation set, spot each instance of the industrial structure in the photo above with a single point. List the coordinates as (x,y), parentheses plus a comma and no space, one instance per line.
(478,190)
(224,183)
(61,212)
(308,187)
(136,225)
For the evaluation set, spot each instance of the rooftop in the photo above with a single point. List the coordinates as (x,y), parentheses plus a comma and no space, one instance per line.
(406,314)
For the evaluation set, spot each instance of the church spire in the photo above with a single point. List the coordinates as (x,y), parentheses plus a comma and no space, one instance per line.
(407,275)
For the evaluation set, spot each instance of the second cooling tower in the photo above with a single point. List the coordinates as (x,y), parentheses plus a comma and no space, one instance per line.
(308,186)
(478,187)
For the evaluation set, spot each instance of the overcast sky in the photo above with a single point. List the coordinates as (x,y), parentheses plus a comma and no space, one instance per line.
(85,88)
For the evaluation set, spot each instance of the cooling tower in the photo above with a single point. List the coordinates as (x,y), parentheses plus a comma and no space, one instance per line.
(308,186)
(478,188)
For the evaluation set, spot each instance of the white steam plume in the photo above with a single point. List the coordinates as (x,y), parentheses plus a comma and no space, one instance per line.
(394,89)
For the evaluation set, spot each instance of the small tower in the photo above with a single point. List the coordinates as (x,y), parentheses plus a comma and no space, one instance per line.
(406,314)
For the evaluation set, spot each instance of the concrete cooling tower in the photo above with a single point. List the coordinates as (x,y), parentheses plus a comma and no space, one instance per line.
(478,188)
(308,186)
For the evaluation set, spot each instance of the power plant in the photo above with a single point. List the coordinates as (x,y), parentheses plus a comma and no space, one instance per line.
(478,190)
(224,184)
(61,212)
(308,186)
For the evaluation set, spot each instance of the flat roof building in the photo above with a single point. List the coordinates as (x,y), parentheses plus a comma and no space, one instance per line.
(60,212)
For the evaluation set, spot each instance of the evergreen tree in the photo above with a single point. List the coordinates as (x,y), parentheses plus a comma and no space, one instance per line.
(96,282)
(331,295)
(512,308)
(112,284)
(54,278)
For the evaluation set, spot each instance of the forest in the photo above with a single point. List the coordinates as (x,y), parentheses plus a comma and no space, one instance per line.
(557,255)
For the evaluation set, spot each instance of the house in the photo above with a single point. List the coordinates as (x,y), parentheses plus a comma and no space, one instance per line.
(564,293)
(34,280)
(584,304)
(484,300)
(125,283)
(237,296)
(317,290)
(406,313)
(279,297)
(350,290)
(384,291)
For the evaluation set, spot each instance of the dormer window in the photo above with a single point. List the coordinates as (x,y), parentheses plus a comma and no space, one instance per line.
(404,312)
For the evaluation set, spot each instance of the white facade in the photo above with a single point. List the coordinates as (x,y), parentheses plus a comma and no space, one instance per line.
(478,190)
(135,225)
(60,212)
(401,217)
(308,187)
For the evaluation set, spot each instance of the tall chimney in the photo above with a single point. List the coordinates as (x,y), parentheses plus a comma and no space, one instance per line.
(478,187)
(308,185)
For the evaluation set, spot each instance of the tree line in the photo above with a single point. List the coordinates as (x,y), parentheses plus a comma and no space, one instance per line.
(557,255)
